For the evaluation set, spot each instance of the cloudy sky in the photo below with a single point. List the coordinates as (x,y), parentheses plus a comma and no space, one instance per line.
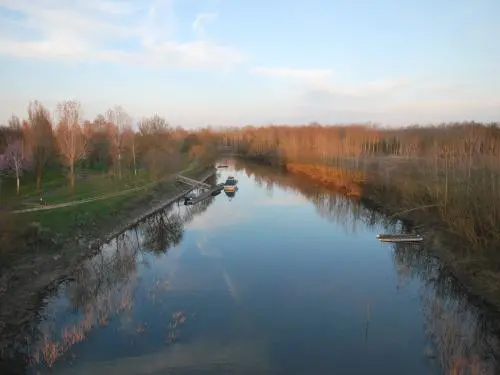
(235,62)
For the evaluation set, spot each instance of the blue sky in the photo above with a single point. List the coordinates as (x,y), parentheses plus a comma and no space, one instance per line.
(235,62)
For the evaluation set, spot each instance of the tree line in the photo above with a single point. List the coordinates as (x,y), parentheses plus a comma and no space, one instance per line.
(110,143)
(455,167)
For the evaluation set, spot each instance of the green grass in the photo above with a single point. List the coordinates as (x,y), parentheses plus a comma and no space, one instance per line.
(70,219)
(93,187)
(89,184)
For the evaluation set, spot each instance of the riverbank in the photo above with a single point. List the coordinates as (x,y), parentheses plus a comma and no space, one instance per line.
(472,268)
(53,255)
(449,231)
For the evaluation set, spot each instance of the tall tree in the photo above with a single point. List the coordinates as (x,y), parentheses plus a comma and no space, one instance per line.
(121,120)
(129,143)
(14,161)
(155,133)
(42,141)
(70,137)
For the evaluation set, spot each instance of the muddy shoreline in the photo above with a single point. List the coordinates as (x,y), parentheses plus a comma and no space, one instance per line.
(24,288)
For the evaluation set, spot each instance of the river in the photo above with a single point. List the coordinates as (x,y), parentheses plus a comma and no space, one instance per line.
(282,278)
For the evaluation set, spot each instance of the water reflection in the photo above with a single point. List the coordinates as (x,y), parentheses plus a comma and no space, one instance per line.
(162,231)
(463,334)
(104,286)
(287,279)
(340,210)
(231,194)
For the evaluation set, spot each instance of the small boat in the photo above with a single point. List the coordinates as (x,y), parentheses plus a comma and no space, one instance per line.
(215,193)
(230,184)
(399,238)
(188,198)
(222,166)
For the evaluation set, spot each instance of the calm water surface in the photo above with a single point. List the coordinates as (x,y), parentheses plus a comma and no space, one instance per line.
(281,278)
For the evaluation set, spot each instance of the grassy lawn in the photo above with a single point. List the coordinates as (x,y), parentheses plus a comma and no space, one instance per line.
(89,184)
(69,220)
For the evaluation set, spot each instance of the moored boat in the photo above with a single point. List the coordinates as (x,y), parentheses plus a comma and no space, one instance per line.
(399,237)
(230,184)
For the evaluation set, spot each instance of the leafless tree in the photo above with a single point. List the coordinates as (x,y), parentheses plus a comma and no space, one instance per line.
(42,138)
(121,120)
(70,137)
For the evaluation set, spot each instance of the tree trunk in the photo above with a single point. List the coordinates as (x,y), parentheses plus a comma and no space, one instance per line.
(72,175)
(119,165)
(133,155)
(38,178)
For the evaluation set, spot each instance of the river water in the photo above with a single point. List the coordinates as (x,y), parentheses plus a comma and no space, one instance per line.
(283,277)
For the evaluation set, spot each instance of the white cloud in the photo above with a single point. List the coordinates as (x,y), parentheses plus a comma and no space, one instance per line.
(304,74)
(321,82)
(199,23)
(223,217)
(137,32)
(362,90)
(283,201)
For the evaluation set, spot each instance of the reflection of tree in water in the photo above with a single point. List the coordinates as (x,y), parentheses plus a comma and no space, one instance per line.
(463,334)
(101,288)
(345,212)
(165,229)
(162,231)
(104,285)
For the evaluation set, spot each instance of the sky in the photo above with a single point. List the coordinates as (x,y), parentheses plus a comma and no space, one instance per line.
(237,62)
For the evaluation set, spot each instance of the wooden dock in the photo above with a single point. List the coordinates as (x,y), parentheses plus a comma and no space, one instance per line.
(213,191)
(194,183)
(209,190)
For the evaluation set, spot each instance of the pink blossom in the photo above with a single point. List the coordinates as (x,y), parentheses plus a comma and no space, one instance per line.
(13,159)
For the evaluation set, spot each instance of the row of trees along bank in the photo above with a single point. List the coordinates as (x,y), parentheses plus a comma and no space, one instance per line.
(453,170)
(42,142)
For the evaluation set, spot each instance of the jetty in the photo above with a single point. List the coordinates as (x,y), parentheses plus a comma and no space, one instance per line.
(208,190)
(193,183)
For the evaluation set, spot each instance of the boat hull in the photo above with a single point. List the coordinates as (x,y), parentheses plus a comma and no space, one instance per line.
(399,238)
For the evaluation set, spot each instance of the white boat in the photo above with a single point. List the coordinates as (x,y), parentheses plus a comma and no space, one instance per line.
(399,237)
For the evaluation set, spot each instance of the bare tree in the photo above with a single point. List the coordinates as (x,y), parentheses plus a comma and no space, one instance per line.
(156,134)
(42,138)
(120,118)
(13,160)
(129,142)
(70,137)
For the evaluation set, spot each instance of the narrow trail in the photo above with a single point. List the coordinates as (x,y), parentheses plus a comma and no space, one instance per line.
(94,199)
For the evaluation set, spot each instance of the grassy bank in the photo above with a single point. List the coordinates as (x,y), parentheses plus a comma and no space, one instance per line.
(60,240)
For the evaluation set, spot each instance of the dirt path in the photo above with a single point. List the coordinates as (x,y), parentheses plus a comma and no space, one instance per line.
(93,199)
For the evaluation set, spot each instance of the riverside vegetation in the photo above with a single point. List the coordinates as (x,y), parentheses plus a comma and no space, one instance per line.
(61,159)
(103,171)
(444,179)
